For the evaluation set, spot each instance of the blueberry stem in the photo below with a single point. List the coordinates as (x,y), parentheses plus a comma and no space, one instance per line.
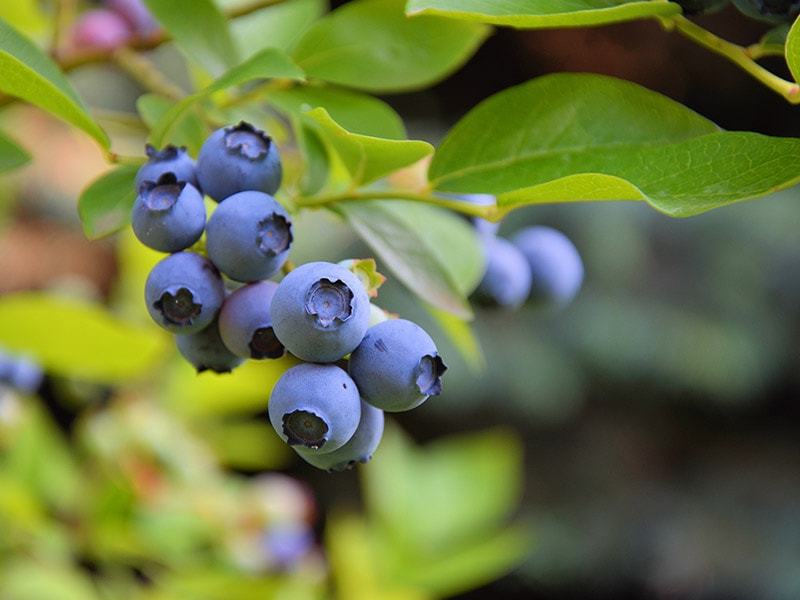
(490,212)
(741,56)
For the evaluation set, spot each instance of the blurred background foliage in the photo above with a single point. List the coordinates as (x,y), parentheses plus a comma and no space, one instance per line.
(640,443)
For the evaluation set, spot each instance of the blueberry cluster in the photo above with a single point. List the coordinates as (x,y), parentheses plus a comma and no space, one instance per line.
(537,265)
(214,292)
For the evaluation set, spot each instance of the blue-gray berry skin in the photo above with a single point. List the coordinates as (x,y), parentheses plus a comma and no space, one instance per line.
(249,236)
(238,158)
(170,159)
(184,292)
(315,406)
(320,311)
(770,11)
(506,282)
(206,352)
(358,448)
(245,321)
(397,366)
(556,265)
(168,215)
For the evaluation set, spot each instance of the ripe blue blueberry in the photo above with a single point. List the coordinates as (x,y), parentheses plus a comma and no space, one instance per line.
(245,322)
(238,158)
(169,159)
(20,372)
(248,237)
(358,448)
(168,215)
(320,311)
(396,366)
(770,11)
(184,292)
(206,351)
(556,265)
(315,406)
(506,281)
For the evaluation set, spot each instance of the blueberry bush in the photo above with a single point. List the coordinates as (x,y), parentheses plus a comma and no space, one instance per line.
(297,280)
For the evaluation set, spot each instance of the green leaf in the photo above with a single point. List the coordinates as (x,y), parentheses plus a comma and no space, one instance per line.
(434,253)
(574,137)
(104,206)
(186,129)
(793,50)
(77,339)
(355,111)
(544,13)
(371,45)
(277,26)
(12,155)
(200,30)
(32,76)
(368,158)
(434,499)
(267,63)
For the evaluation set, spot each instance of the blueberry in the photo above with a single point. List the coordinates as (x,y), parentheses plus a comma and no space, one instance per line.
(168,215)
(556,265)
(315,406)
(101,29)
(21,373)
(506,281)
(770,11)
(169,159)
(206,351)
(320,311)
(184,292)
(358,448)
(248,237)
(396,366)
(699,7)
(245,322)
(238,158)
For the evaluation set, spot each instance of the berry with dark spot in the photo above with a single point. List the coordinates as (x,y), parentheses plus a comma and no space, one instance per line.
(315,406)
(397,366)
(170,159)
(238,158)
(245,322)
(249,236)
(168,215)
(320,311)
(184,292)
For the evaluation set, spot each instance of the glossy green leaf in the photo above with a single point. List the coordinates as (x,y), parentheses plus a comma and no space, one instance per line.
(77,339)
(793,50)
(200,30)
(316,166)
(355,111)
(277,26)
(371,45)
(32,76)
(368,158)
(105,204)
(434,253)
(12,155)
(574,137)
(544,13)
(267,63)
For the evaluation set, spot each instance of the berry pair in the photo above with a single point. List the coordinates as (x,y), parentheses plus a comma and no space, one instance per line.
(330,408)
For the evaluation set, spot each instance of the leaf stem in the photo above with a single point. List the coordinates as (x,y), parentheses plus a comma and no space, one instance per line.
(739,55)
(144,72)
(489,212)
